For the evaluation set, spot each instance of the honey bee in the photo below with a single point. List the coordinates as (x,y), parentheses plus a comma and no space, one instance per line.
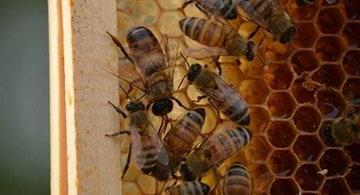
(188,188)
(236,181)
(146,148)
(219,37)
(343,132)
(150,62)
(269,15)
(221,95)
(180,138)
(305,2)
(213,151)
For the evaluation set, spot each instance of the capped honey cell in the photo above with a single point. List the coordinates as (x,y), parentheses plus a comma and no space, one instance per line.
(254,91)
(260,118)
(308,147)
(283,163)
(261,177)
(258,149)
(308,178)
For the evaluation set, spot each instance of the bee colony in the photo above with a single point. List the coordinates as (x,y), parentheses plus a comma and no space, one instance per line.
(296,127)
(302,85)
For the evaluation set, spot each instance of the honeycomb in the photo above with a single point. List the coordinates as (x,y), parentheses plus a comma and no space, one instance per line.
(302,85)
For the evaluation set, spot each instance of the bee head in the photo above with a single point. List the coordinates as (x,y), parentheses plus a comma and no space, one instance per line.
(162,107)
(205,188)
(186,173)
(193,72)
(250,54)
(135,106)
(288,34)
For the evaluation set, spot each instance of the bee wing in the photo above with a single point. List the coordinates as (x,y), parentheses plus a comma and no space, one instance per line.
(212,4)
(172,53)
(225,92)
(162,155)
(248,11)
(136,147)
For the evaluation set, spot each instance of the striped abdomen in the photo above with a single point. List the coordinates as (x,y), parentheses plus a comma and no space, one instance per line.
(189,188)
(225,143)
(236,181)
(226,8)
(207,32)
(146,51)
(180,139)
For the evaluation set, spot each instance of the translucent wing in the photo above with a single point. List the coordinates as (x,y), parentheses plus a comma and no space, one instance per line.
(162,155)
(211,4)
(172,53)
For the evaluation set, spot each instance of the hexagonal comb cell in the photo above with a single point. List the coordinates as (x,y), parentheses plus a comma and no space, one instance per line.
(254,91)
(322,75)
(330,103)
(308,147)
(351,32)
(302,91)
(308,178)
(330,48)
(351,62)
(281,134)
(335,187)
(278,76)
(330,20)
(352,8)
(282,163)
(259,119)
(353,151)
(307,119)
(303,12)
(334,161)
(146,12)
(353,178)
(258,149)
(351,90)
(261,177)
(284,187)
(306,34)
(281,104)
(304,61)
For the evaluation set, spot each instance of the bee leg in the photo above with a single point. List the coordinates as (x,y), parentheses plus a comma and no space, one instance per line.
(179,103)
(118,133)
(217,110)
(253,33)
(199,98)
(217,64)
(127,163)
(117,109)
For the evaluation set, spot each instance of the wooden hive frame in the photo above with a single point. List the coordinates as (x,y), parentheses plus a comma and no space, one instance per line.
(82,160)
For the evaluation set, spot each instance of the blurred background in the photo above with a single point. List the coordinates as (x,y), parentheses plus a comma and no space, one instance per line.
(24,98)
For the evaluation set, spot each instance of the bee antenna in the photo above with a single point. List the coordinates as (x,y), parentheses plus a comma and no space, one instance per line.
(187,63)
(127,95)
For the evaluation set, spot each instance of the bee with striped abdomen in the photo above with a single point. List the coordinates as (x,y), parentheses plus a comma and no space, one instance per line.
(188,188)
(221,95)
(214,150)
(226,8)
(236,181)
(269,15)
(220,38)
(180,139)
(146,149)
(156,76)
(343,132)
